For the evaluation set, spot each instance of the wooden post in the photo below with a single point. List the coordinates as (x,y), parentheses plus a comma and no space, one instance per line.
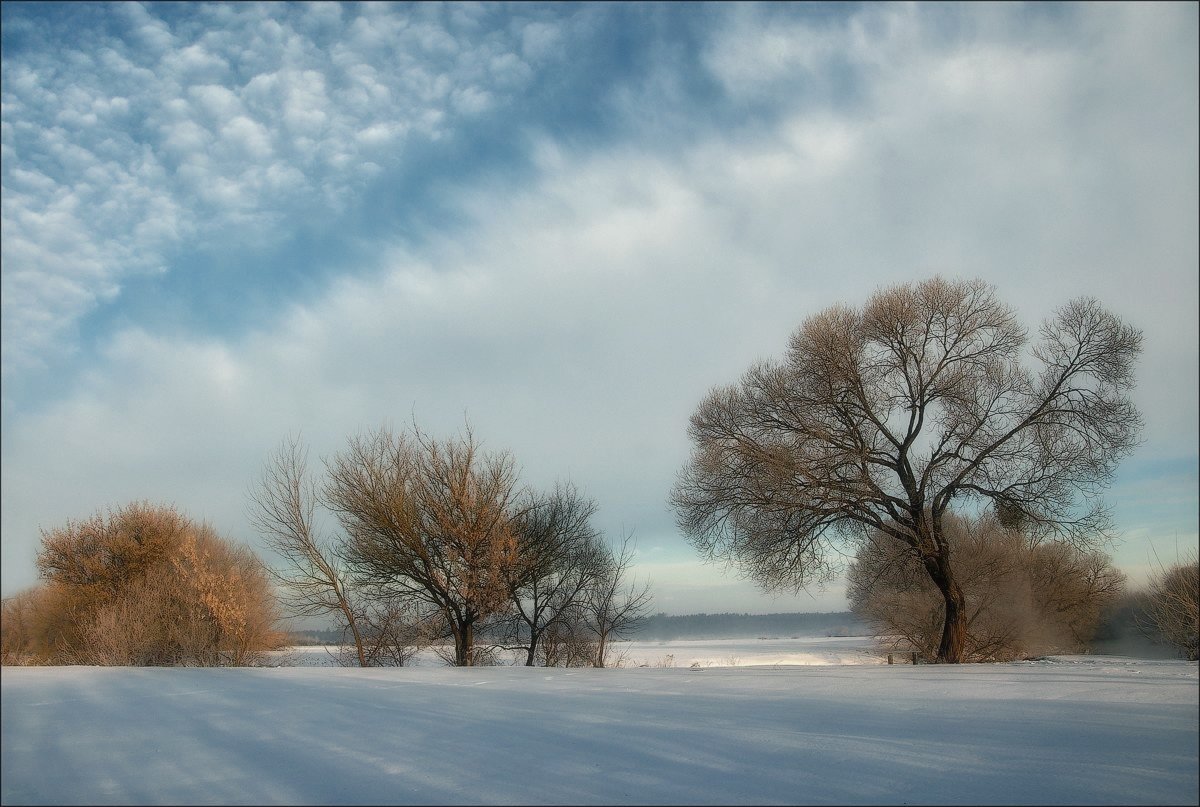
(914,658)
(889,658)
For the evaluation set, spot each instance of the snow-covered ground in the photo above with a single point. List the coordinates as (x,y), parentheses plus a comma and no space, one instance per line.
(776,728)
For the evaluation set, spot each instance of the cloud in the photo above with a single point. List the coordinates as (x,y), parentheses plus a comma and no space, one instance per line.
(212,108)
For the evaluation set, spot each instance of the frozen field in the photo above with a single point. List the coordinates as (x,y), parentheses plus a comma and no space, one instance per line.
(776,728)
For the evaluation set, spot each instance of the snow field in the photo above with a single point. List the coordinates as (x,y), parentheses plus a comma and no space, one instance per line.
(1072,729)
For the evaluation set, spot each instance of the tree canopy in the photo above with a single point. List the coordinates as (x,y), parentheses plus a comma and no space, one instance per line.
(880,417)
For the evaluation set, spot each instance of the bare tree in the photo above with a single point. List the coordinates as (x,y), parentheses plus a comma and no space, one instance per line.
(19,629)
(394,631)
(880,418)
(1072,589)
(616,606)
(1172,606)
(569,640)
(559,559)
(430,520)
(282,509)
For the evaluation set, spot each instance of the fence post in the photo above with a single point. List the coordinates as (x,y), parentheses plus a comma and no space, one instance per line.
(889,658)
(914,658)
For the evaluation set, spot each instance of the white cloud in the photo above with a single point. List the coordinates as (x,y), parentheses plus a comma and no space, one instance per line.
(225,93)
(539,40)
(185,137)
(470,101)
(248,136)
(151,32)
(218,104)
(195,63)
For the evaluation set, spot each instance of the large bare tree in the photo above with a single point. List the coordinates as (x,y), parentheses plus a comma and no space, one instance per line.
(430,520)
(880,418)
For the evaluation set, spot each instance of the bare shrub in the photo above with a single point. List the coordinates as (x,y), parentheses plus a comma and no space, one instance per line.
(19,619)
(1023,597)
(144,585)
(1071,589)
(1172,606)
(154,621)
(230,593)
(568,642)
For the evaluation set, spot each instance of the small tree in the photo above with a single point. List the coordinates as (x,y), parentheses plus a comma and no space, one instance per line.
(616,606)
(569,641)
(394,631)
(880,417)
(430,521)
(559,561)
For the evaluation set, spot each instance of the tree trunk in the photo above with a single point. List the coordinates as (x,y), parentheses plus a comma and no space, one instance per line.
(954,626)
(531,656)
(954,630)
(464,641)
(358,643)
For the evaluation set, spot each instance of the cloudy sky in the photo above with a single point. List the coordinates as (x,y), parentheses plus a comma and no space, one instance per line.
(227,224)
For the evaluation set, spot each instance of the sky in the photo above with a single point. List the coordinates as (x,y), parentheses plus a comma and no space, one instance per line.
(227,224)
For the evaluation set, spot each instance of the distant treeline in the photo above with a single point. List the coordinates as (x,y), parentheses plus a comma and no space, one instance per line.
(663,627)
(741,626)
(1118,633)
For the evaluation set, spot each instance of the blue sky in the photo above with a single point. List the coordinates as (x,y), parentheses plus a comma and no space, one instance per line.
(224,224)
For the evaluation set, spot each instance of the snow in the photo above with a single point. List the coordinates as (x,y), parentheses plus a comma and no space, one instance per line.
(779,727)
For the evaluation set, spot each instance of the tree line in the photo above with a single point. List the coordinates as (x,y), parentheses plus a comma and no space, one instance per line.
(665,627)
(437,545)
(439,542)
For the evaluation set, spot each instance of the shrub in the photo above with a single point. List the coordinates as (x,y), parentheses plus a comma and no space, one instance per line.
(1023,598)
(1172,606)
(142,585)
